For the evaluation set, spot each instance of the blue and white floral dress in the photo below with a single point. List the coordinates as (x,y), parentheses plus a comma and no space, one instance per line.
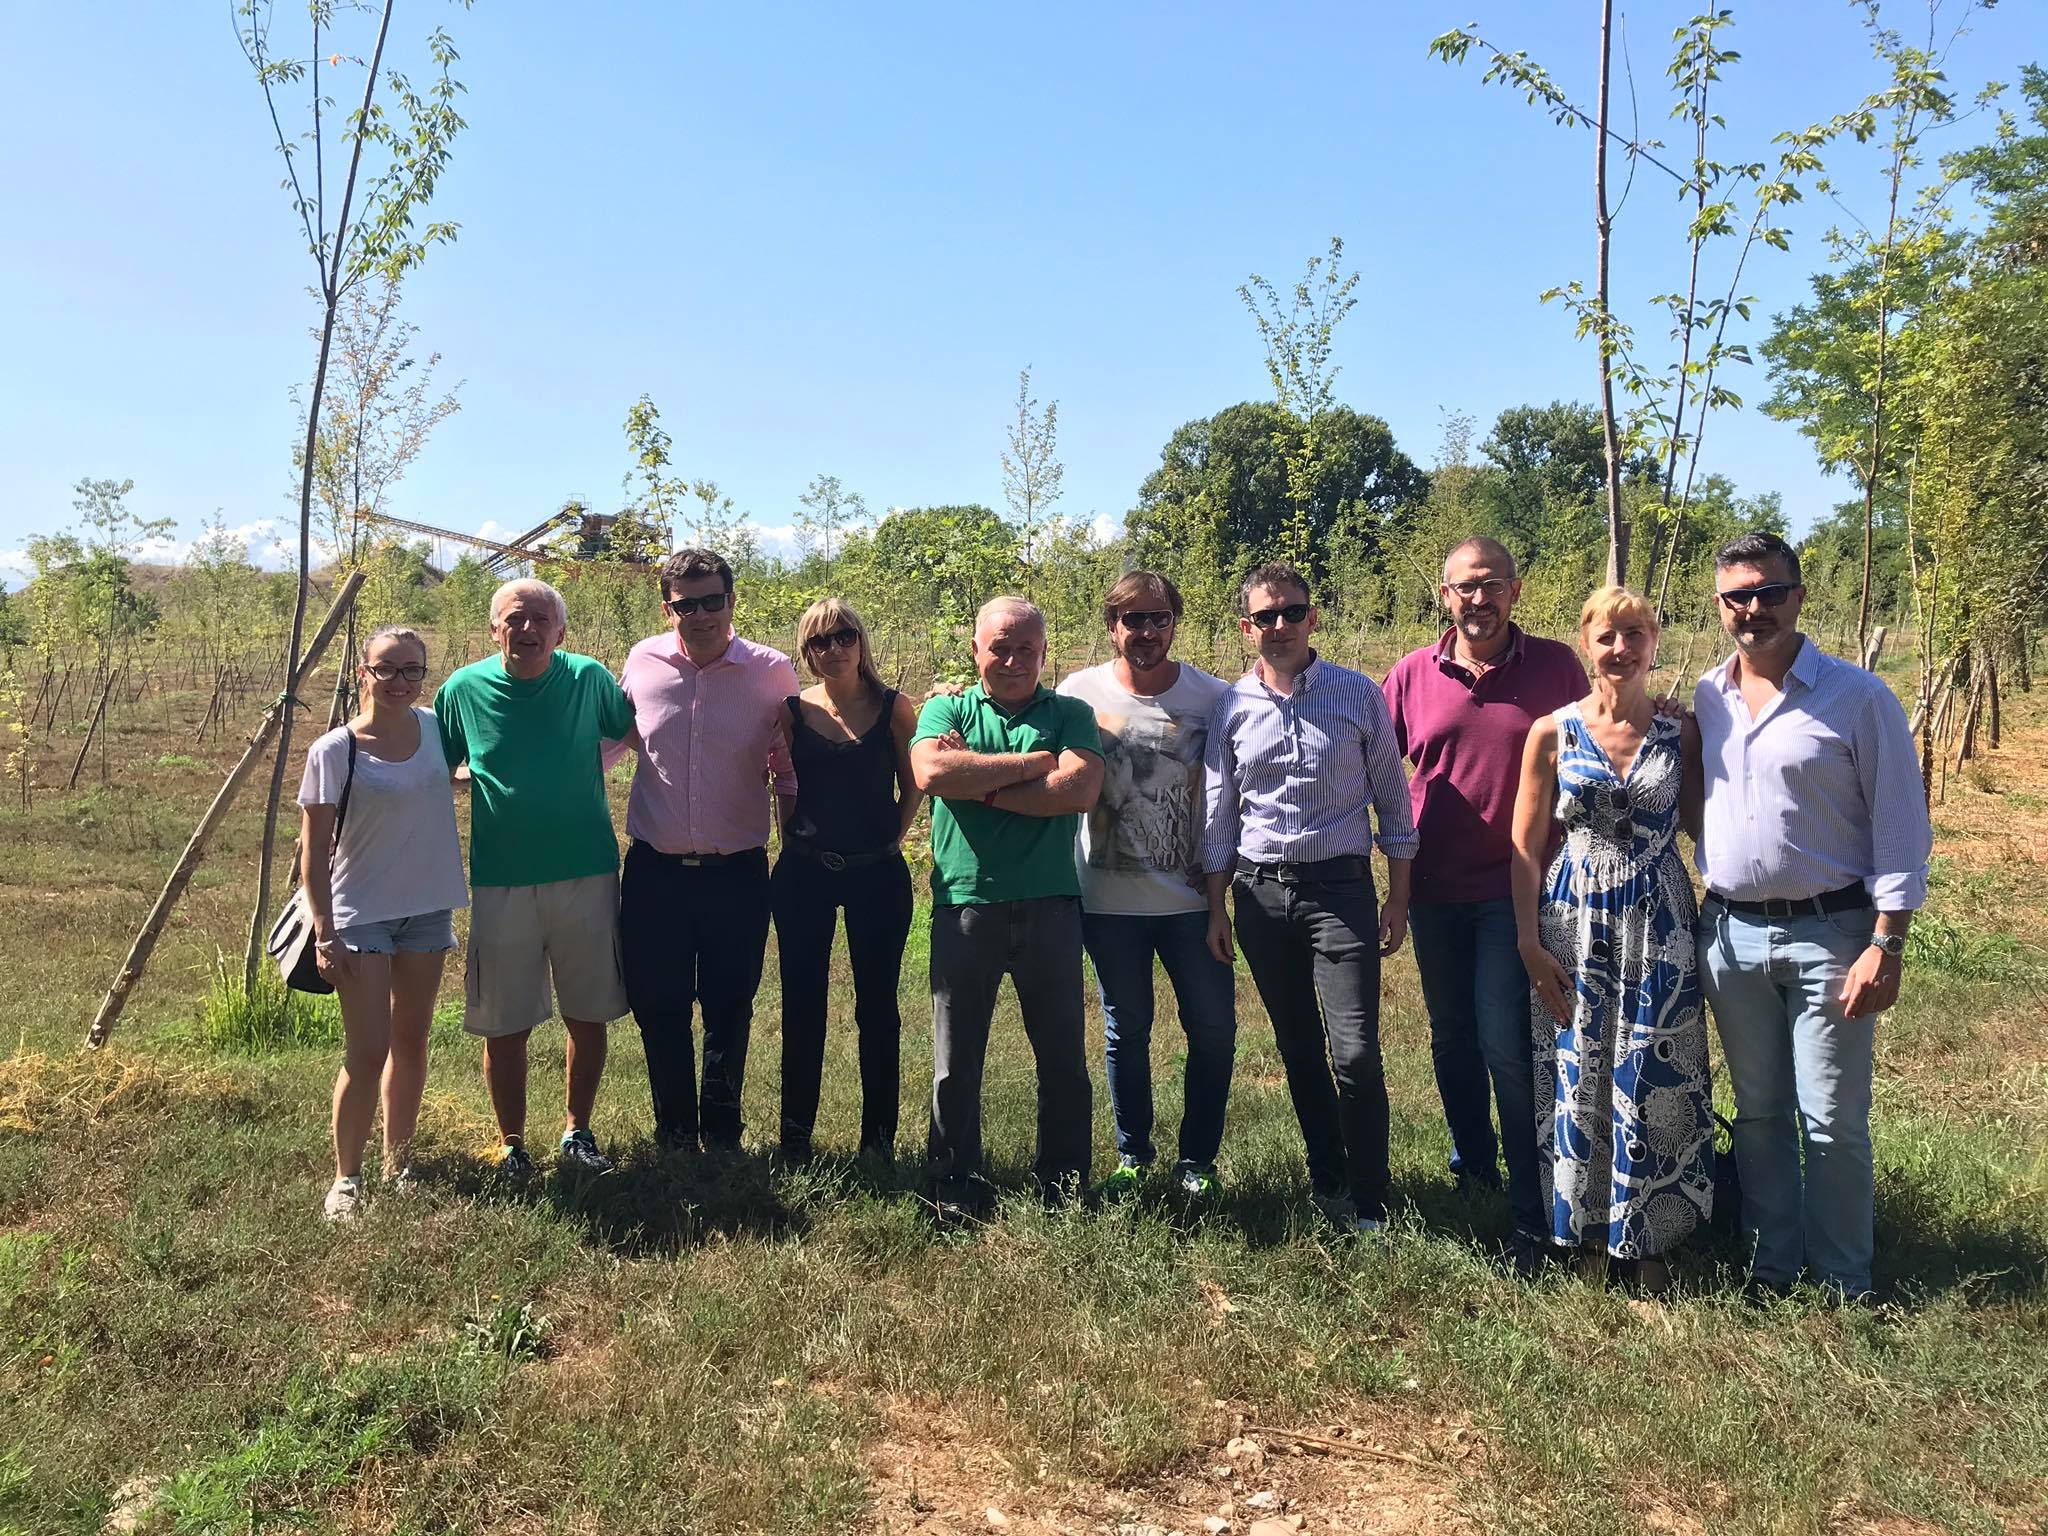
(1626,1141)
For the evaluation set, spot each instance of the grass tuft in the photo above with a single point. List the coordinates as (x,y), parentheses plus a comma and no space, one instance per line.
(268,1017)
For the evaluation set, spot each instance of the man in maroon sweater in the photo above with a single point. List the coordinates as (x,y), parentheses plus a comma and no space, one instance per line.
(1462,709)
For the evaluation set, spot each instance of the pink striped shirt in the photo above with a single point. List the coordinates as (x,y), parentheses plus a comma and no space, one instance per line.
(710,742)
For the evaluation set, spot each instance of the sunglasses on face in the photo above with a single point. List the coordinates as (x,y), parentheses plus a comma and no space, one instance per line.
(1493,586)
(383,671)
(1269,618)
(683,607)
(1771,594)
(838,639)
(1146,618)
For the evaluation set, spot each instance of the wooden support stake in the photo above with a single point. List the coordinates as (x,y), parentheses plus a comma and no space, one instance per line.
(195,850)
(98,713)
(1876,649)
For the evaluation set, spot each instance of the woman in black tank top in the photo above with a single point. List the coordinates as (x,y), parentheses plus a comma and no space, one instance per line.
(849,737)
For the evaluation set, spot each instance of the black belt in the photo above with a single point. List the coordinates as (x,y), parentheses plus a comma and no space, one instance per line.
(1847,899)
(838,861)
(1347,866)
(695,860)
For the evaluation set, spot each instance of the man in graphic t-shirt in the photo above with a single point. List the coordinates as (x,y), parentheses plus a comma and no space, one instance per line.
(543,859)
(1142,892)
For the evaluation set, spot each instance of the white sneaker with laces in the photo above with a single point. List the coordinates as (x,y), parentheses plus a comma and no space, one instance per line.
(344,1200)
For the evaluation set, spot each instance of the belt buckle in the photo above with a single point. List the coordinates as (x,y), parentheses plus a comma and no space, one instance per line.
(690,860)
(832,861)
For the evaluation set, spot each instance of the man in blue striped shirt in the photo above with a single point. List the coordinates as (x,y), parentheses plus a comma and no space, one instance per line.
(1299,751)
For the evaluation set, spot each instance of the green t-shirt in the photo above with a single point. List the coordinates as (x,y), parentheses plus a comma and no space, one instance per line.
(537,807)
(981,854)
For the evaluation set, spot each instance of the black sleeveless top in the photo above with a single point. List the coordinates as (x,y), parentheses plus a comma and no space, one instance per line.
(845,790)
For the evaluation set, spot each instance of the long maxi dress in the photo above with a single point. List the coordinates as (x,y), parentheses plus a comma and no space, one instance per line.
(1625,1141)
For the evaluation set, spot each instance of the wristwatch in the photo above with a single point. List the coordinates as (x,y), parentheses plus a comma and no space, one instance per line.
(1893,944)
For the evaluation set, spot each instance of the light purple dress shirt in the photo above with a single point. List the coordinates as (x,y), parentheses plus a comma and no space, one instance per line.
(1288,778)
(1821,790)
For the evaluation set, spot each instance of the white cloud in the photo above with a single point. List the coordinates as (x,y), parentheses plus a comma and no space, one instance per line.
(1104,527)
(782,535)
(14,563)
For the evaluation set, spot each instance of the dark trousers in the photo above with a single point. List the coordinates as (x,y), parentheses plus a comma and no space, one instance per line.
(1313,948)
(806,897)
(694,935)
(1037,943)
(1480,1042)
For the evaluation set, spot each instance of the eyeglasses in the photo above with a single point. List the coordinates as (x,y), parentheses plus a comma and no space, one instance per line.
(383,671)
(1269,618)
(1493,586)
(841,639)
(1771,594)
(1146,618)
(683,607)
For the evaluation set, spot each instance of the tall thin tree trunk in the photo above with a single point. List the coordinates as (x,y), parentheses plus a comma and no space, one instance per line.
(1617,524)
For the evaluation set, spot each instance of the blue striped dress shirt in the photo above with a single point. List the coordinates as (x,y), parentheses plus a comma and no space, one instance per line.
(1288,777)
(1821,790)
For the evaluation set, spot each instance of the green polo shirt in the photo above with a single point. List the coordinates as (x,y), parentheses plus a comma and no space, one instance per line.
(537,806)
(981,854)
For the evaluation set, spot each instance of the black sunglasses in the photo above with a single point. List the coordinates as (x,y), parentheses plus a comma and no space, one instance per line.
(1293,613)
(682,607)
(1146,618)
(1771,594)
(843,639)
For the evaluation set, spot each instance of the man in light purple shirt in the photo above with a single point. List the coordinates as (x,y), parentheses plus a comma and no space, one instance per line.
(1300,751)
(1462,709)
(1814,854)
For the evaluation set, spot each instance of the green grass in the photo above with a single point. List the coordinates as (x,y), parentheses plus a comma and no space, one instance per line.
(722,1344)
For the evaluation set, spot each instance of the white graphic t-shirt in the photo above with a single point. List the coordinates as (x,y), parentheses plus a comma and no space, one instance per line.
(1137,848)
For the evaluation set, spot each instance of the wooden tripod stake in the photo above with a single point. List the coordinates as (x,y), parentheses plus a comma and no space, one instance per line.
(195,850)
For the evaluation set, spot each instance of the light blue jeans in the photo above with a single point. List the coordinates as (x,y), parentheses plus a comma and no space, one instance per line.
(1801,1073)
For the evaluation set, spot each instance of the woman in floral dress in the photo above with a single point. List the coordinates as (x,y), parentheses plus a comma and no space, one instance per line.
(1606,929)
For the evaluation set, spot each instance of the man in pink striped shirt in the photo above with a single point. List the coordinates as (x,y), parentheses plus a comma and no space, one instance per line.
(693,901)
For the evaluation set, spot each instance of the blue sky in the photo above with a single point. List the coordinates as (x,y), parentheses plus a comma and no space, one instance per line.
(826,237)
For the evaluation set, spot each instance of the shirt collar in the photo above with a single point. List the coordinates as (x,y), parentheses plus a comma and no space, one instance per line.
(1805,669)
(1447,642)
(731,655)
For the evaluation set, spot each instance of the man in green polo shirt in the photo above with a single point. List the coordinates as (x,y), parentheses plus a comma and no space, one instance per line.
(1010,767)
(530,723)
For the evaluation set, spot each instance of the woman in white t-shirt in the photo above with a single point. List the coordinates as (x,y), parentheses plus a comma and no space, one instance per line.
(383,902)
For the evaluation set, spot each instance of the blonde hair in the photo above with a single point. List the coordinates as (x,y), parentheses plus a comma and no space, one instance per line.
(1612,605)
(826,615)
(401,632)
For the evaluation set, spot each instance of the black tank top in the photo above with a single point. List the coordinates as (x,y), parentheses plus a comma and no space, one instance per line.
(845,790)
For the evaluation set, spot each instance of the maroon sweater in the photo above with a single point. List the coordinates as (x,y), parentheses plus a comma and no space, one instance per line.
(1465,739)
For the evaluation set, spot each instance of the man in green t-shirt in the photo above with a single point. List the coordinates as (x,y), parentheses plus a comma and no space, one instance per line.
(1011,767)
(543,859)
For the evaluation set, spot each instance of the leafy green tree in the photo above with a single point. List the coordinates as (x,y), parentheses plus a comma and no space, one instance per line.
(1032,471)
(828,514)
(1300,341)
(397,157)
(1227,495)
(923,571)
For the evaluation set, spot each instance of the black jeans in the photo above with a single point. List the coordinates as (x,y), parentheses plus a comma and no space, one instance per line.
(807,897)
(1038,942)
(694,934)
(1314,952)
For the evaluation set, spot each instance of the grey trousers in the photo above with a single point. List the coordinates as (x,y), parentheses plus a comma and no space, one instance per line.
(1037,943)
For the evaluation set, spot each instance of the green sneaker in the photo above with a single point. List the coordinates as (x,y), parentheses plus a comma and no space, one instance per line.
(1197,1182)
(1126,1181)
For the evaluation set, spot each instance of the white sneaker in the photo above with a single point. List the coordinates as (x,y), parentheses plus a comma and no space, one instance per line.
(344,1200)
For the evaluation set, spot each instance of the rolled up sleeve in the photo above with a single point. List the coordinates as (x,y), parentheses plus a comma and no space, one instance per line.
(1901,836)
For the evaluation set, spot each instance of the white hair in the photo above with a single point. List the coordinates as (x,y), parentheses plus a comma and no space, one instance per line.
(1008,606)
(528,586)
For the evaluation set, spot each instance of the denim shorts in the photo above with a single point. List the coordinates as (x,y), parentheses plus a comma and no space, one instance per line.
(424,933)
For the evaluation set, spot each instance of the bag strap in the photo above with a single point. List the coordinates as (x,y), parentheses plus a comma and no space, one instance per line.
(348,783)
